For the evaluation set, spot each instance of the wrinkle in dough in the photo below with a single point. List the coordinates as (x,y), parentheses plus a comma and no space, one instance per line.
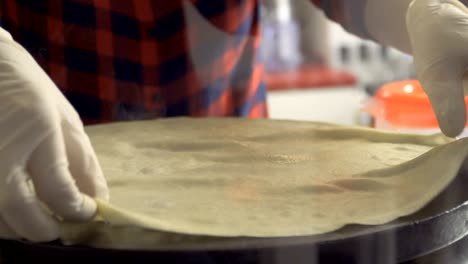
(235,177)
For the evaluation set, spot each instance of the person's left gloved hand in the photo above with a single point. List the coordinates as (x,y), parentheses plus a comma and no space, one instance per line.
(436,33)
(48,168)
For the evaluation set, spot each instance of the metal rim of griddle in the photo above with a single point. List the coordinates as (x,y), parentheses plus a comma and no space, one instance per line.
(441,223)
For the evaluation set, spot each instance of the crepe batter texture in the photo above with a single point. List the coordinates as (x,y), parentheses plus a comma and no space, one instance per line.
(233,177)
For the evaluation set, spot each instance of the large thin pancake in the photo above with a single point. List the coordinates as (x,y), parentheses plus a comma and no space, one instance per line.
(263,178)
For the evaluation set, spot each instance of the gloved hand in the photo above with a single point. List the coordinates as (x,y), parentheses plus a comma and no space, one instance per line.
(436,34)
(47,163)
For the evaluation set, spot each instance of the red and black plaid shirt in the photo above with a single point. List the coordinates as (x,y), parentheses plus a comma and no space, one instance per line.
(136,59)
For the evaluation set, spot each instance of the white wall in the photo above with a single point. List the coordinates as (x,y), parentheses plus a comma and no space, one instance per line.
(339,105)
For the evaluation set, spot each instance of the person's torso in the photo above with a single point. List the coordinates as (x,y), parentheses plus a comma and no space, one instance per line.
(123,60)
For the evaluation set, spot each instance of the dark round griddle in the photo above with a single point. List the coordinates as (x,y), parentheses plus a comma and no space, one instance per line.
(442,222)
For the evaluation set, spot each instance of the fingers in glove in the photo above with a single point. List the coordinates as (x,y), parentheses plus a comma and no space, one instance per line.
(444,86)
(455,3)
(54,185)
(23,213)
(84,165)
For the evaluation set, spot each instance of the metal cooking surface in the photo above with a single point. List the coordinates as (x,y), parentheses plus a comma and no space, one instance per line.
(439,224)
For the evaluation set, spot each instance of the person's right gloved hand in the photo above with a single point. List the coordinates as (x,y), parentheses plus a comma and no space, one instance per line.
(435,32)
(438,30)
(42,145)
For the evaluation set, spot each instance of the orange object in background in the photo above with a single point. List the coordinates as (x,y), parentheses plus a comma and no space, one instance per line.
(403,104)
(308,77)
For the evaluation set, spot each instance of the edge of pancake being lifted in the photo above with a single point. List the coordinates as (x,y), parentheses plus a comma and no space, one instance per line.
(415,181)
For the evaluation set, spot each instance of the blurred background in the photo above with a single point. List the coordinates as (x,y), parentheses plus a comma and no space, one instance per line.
(317,71)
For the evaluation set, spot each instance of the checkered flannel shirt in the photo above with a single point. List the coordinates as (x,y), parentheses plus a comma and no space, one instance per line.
(137,59)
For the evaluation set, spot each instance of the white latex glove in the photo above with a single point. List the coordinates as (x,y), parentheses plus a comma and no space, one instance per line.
(436,34)
(438,31)
(43,144)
